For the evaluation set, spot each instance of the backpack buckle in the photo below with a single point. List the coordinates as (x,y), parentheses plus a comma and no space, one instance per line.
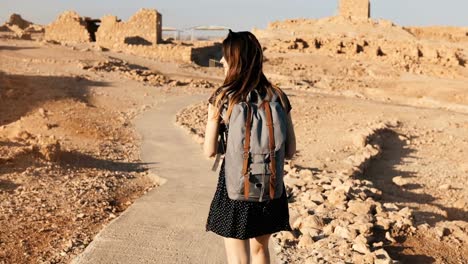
(245,155)
(272,153)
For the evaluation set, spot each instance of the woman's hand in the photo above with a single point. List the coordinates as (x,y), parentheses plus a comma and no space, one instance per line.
(210,144)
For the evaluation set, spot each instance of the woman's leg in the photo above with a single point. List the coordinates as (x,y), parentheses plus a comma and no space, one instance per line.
(237,250)
(259,249)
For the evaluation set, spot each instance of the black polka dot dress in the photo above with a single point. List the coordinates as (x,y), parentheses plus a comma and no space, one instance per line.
(244,219)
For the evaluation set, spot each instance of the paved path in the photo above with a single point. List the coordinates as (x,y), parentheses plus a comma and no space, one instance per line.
(167,225)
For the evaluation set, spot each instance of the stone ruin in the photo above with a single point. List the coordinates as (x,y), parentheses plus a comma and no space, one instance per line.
(17,20)
(140,35)
(143,28)
(20,28)
(355,8)
(418,50)
(70,27)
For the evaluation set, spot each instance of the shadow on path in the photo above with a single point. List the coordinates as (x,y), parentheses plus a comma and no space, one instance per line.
(13,48)
(77,160)
(21,94)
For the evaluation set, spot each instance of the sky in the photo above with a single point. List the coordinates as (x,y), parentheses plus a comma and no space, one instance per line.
(240,14)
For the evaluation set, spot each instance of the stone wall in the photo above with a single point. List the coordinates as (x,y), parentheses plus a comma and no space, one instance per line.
(143,28)
(166,52)
(18,28)
(139,36)
(201,55)
(355,8)
(178,52)
(69,27)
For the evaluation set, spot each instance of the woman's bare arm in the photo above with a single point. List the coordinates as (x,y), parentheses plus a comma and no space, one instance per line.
(290,138)
(210,144)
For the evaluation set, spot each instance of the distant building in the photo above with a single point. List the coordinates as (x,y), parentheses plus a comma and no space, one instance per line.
(69,27)
(355,8)
(143,28)
(141,35)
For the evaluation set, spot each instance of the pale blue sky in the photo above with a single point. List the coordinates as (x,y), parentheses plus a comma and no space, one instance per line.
(241,14)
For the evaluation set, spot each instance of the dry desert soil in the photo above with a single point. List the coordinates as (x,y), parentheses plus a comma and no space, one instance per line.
(381,123)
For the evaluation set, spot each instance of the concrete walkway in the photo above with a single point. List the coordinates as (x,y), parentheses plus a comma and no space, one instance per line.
(167,225)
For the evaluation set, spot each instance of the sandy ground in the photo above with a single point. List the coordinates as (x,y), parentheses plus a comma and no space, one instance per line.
(69,154)
(70,162)
(422,165)
(166,225)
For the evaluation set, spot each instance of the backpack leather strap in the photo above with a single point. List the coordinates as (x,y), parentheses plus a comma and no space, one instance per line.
(272,148)
(245,168)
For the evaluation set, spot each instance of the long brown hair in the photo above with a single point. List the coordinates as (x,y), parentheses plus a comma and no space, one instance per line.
(244,55)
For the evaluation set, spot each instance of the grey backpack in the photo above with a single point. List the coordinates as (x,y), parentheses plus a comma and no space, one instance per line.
(255,149)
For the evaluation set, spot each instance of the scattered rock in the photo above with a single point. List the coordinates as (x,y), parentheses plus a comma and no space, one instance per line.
(399,180)
(316,197)
(80,215)
(344,232)
(360,207)
(50,149)
(42,112)
(381,257)
(389,237)
(441,231)
(313,221)
(305,241)
(337,197)
(23,135)
(361,248)
(445,187)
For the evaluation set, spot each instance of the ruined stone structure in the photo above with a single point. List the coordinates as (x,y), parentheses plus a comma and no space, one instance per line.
(19,28)
(199,53)
(17,20)
(69,27)
(355,8)
(143,28)
(139,35)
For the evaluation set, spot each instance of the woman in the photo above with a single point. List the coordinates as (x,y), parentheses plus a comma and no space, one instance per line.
(245,226)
